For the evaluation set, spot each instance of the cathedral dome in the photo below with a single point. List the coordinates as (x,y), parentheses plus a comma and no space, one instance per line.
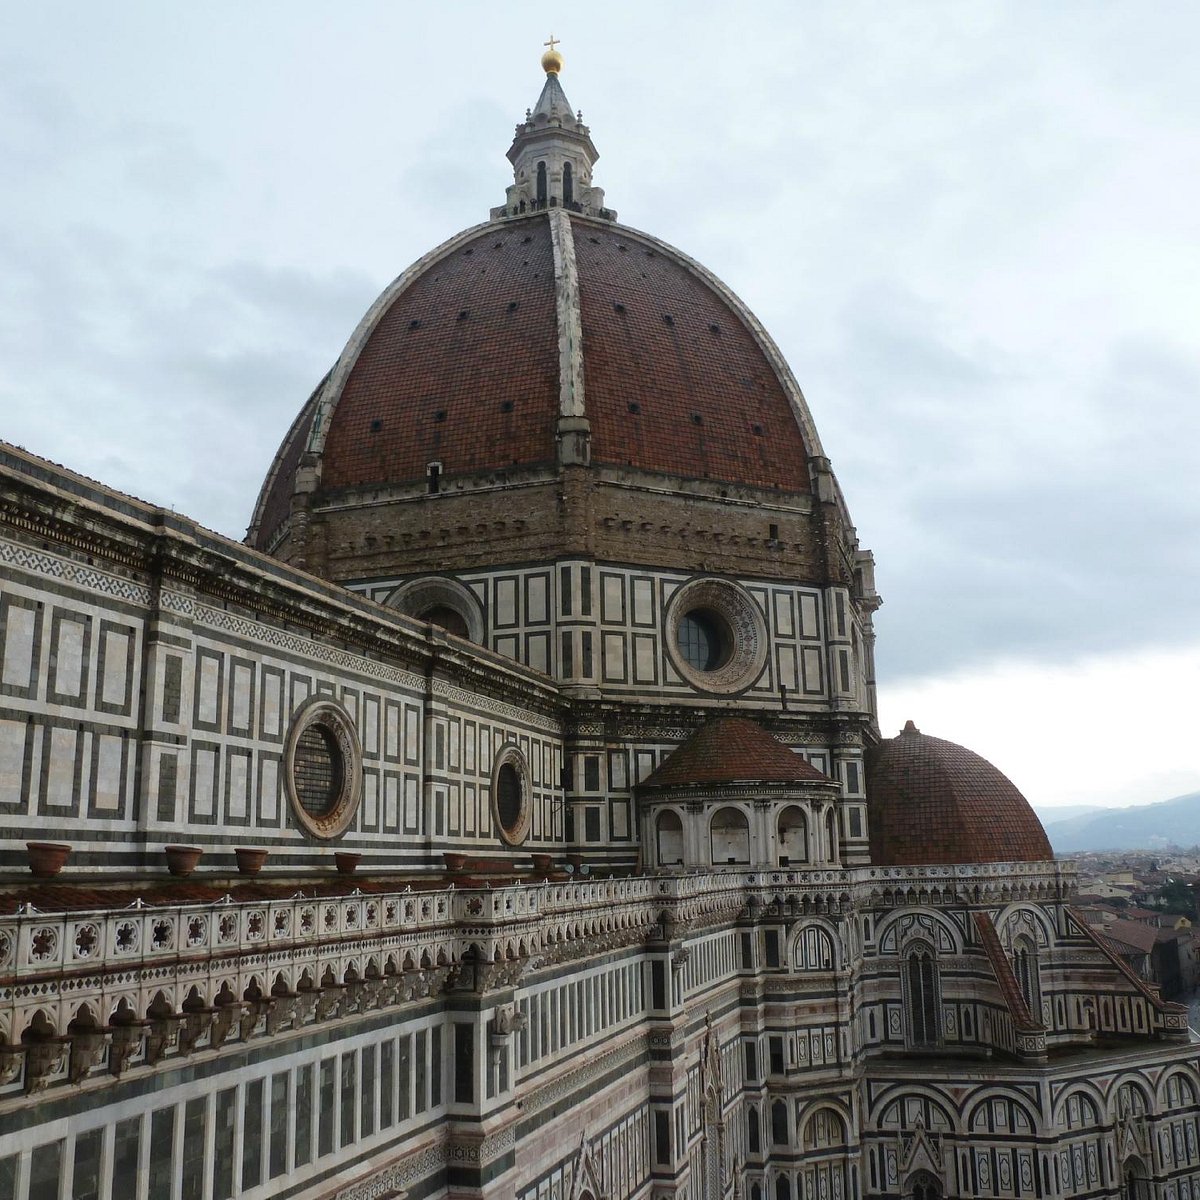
(546,338)
(935,802)
(469,361)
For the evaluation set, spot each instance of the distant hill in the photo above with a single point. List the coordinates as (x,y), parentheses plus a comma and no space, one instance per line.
(1143,827)
(1064,812)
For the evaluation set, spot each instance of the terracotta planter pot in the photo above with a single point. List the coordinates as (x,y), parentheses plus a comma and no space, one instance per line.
(250,859)
(455,862)
(346,861)
(46,859)
(182,860)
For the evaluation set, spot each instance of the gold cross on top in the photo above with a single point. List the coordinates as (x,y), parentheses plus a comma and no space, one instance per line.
(552,42)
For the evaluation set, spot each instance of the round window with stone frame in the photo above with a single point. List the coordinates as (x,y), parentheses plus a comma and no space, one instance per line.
(323,768)
(716,636)
(511,795)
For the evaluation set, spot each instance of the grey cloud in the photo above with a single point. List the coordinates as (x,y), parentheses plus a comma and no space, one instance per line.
(957,222)
(1001,541)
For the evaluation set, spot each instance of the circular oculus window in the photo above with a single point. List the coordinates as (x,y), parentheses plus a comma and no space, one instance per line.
(323,768)
(716,636)
(510,795)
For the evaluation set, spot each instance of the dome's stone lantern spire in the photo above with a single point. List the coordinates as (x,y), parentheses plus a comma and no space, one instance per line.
(552,155)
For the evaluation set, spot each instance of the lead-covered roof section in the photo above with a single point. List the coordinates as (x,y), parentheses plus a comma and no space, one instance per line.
(933,802)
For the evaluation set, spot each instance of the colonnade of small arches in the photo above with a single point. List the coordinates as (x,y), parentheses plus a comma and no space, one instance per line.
(958,892)
(802,834)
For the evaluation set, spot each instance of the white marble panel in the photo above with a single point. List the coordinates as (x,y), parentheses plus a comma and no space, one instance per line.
(20,625)
(539,609)
(643,601)
(116,667)
(239,785)
(272,705)
(60,778)
(107,793)
(205,781)
(12,760)
(68,660)
(810,624)
(269,800)
(243,678)
(209,698)
(391,801)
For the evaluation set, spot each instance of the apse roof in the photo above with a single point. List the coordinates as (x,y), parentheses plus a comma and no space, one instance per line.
(732,750)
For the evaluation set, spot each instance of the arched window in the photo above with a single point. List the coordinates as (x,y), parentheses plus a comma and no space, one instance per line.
(730,836)
(669,829)
(1080,1111)
(753,1139)
(1179,1091)
(793,836)
(783,1189)
(1025,967)
(813,950)
(921,1001)
(923,1186)
(568,184)
(1135,1183)
(448,618)
(541,183)
(823,1130)
(779,1123)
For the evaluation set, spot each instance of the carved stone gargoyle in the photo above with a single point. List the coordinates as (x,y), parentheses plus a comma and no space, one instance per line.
(12,1058)
(87,1049)
(193,1027)
(330,1002)
(375,992)
(161,1033)
(126,1042)
(43,1059)
(355,996)
(506,1020)
(281,1013)
(305,1006)
(254,1013)
(392,991)
(226,1019)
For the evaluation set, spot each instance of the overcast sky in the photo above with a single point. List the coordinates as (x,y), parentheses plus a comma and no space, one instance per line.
(972,228)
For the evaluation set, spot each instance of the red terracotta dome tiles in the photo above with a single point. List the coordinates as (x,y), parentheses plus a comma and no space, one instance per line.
(709,404)
(932,802)
(732,750)
(474,339)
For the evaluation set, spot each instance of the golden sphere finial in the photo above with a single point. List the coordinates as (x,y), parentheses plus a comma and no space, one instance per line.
(552,61)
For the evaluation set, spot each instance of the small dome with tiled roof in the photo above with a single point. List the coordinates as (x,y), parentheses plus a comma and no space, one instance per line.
(933,802)
(732,750)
